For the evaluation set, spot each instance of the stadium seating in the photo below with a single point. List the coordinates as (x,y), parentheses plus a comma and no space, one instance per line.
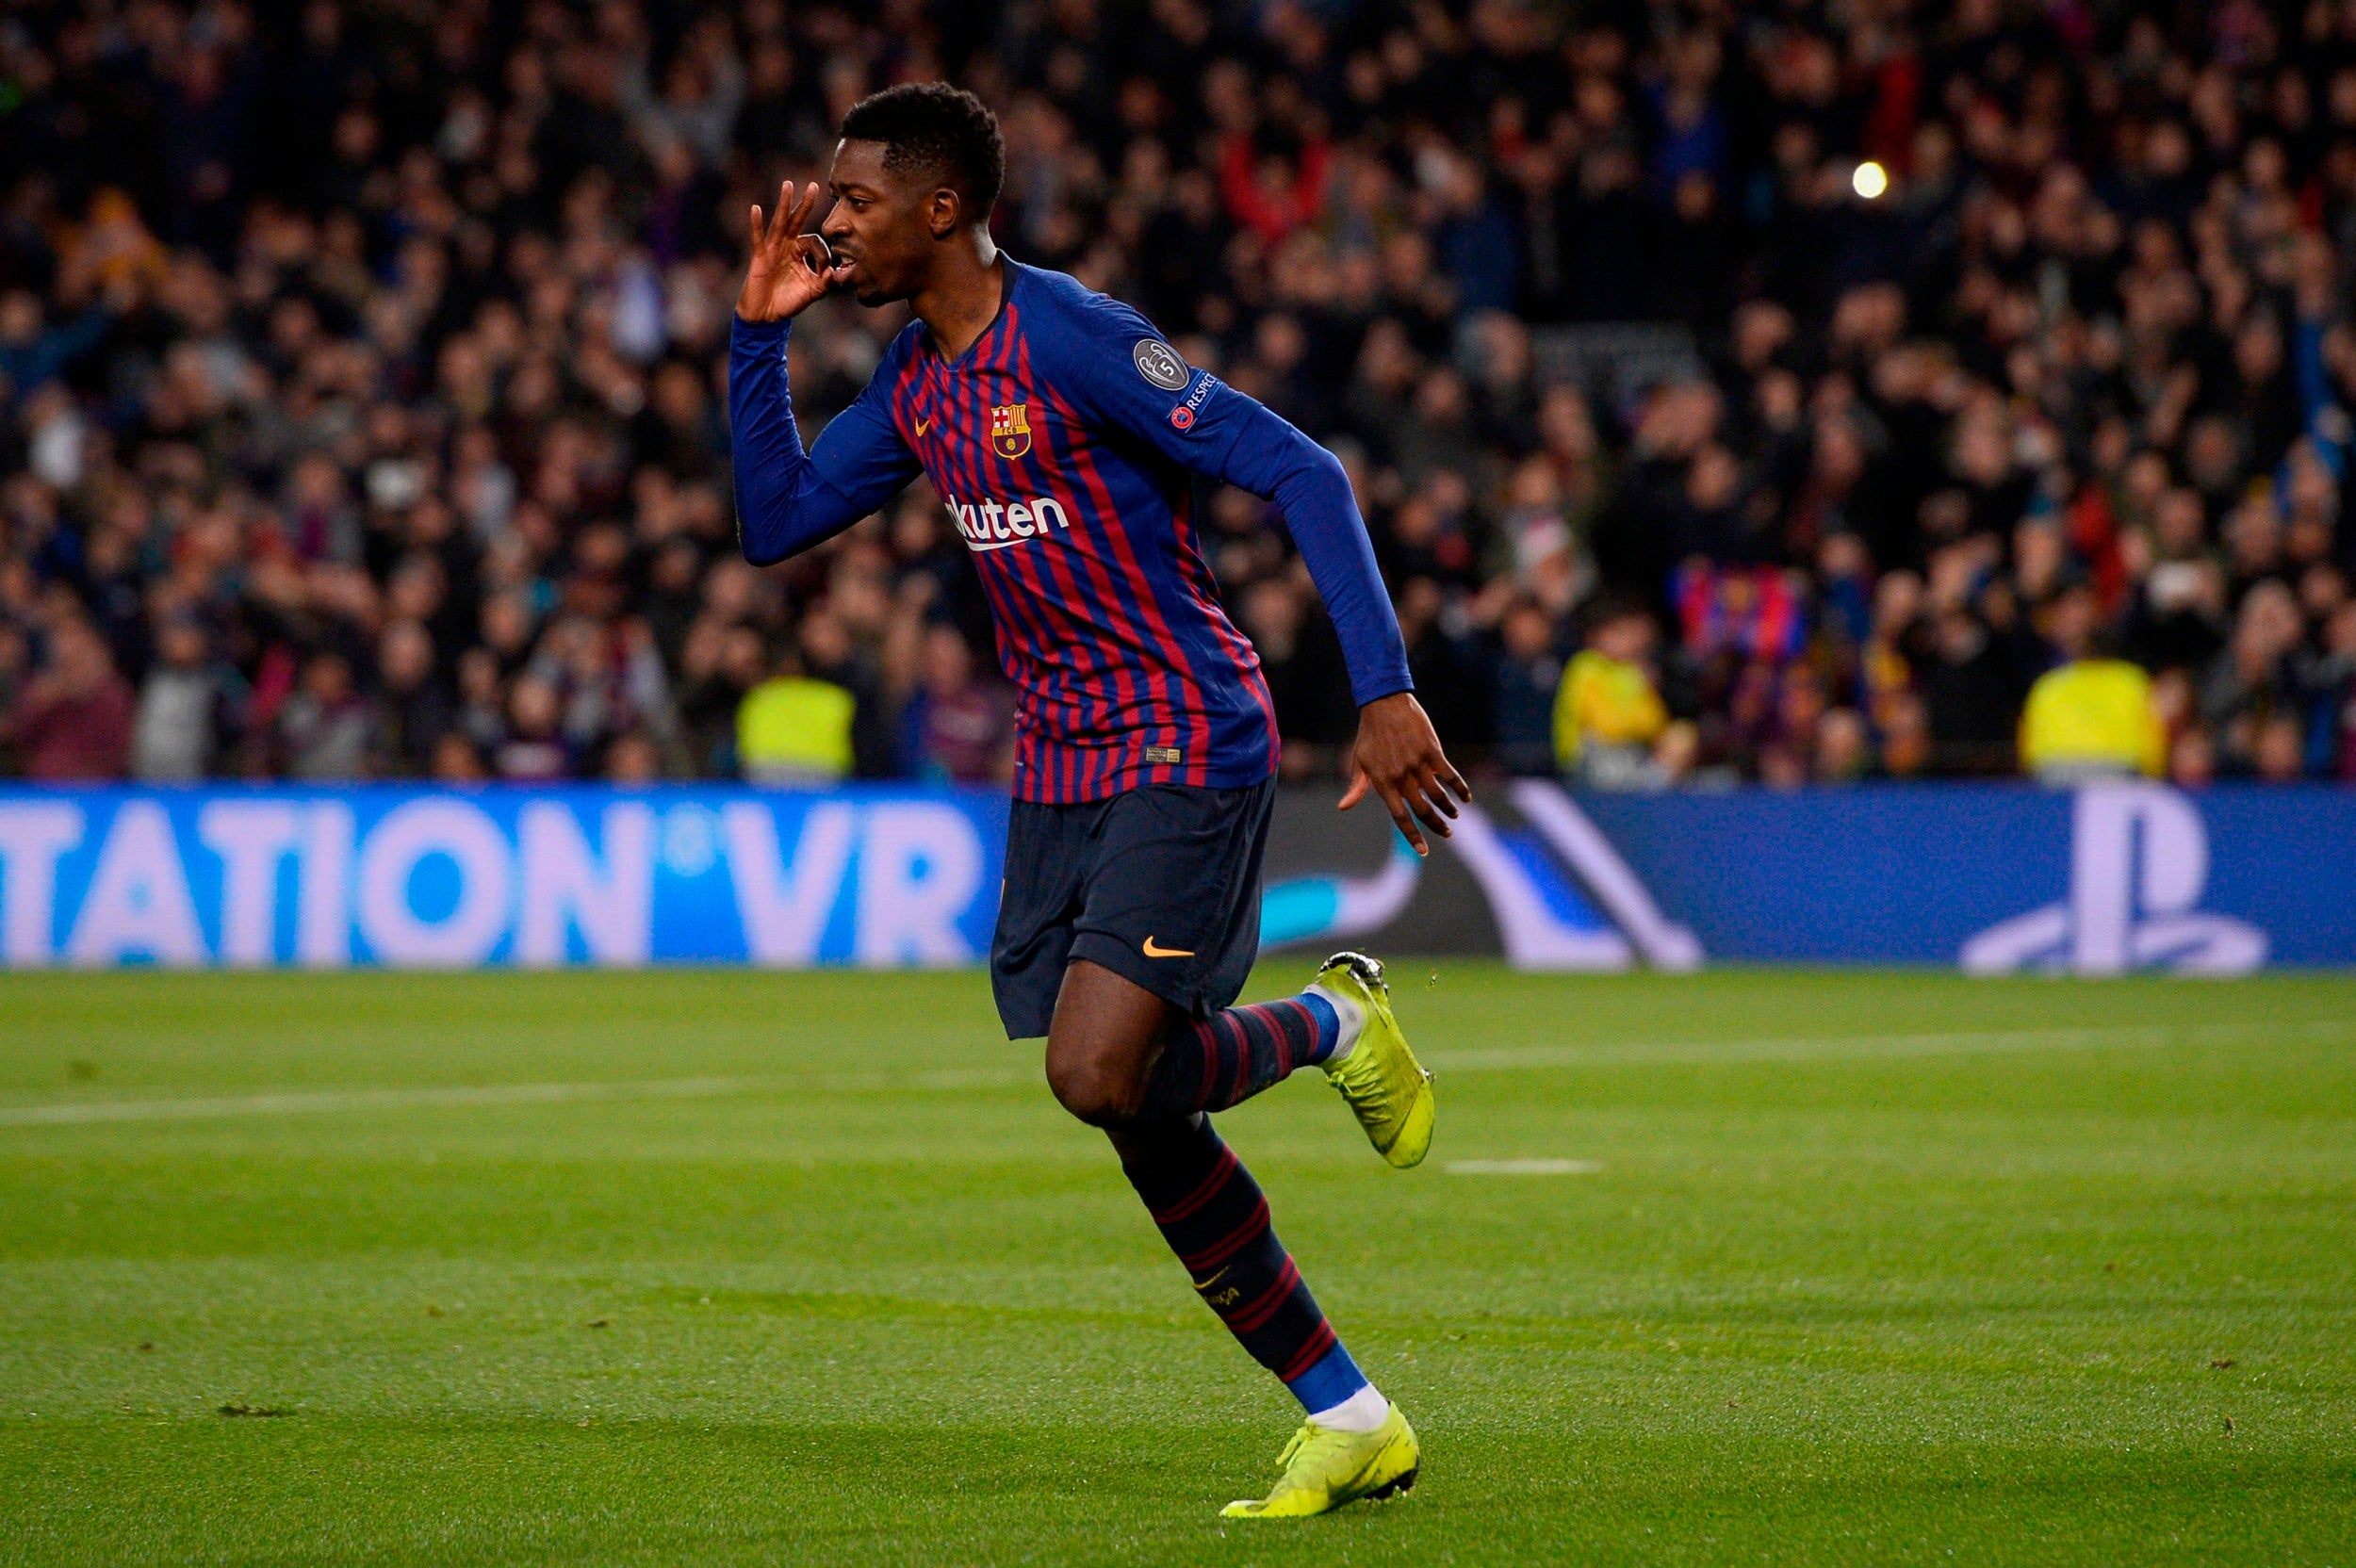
(360,369)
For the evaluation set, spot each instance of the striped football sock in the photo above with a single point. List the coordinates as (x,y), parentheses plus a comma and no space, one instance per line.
(1214,1216)
(1211,1064)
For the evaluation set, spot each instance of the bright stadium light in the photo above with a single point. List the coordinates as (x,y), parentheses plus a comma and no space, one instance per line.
(1870,180)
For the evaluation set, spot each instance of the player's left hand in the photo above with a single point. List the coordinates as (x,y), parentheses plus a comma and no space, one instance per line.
(1397,756)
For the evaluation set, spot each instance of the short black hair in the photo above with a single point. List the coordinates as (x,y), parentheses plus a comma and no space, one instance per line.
(932,125)
(1609,607)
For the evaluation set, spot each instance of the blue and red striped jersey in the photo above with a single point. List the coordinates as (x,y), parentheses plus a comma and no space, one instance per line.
(1061,442)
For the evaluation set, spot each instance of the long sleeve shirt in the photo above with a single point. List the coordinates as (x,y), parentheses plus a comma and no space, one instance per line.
(1061,442)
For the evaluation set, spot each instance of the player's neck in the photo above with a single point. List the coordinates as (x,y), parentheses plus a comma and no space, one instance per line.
(962,298)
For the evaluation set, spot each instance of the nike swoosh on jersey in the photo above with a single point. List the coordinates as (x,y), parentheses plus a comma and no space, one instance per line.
(923,425)
(1152,952)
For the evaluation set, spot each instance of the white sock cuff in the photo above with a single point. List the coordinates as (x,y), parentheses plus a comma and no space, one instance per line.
(1352,1016)
(1363,1412)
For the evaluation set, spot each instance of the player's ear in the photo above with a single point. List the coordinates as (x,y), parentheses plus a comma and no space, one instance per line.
(942,212)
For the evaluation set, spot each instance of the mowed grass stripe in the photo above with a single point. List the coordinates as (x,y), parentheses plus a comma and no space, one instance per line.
(311,1102)
(1505,1059)
(1828,1048)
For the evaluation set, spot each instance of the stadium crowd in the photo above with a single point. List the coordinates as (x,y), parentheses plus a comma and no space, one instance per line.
(361,373)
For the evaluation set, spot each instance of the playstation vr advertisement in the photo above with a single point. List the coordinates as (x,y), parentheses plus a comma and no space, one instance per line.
(2106,879)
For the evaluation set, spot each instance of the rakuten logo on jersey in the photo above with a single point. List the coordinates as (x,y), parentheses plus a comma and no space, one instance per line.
(994,525)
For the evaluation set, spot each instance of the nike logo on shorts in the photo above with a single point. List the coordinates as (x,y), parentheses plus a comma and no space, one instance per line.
(1152,952)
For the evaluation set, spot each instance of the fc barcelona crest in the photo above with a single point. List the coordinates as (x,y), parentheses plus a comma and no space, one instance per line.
(1010,429)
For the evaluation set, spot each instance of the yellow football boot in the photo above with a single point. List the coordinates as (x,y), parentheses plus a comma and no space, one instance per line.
(1325,1469)
(1380,1078)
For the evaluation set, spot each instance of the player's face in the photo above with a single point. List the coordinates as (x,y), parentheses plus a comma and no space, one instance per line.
(882,224)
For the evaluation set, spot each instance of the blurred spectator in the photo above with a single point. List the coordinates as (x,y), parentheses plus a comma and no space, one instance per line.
(2090,717)
(633,758)
(2249,685)
(187,705)
(794,730)
(1609,718)
(2192,761)
(30,356)
(1523,711)
(325,728)
(1843,751)
(415,710)
(1969,695)
(532,750)
(73,720)
(831,653)
(959,727)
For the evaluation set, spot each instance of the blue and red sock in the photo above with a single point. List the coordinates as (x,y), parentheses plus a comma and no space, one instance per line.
(1214,1063)
(1215,1217)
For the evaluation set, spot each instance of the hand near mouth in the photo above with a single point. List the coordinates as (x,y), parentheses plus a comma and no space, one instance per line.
(790,270)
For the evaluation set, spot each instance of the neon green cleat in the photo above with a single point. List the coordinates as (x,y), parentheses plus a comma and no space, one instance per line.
(1380,1078)
(1325,1469)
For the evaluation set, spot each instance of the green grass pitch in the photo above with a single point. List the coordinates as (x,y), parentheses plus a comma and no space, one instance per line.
(703,1267)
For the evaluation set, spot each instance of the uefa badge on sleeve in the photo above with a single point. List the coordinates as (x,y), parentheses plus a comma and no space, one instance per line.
(1159,364)
(1182,416)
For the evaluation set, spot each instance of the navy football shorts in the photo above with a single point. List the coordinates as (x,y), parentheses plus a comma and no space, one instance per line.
(1160,884)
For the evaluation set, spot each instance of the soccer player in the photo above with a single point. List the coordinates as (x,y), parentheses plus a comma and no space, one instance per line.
(1058,428)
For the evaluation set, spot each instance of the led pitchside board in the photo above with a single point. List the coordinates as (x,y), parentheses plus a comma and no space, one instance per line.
(449,879)
(1986,879)
(1990,878)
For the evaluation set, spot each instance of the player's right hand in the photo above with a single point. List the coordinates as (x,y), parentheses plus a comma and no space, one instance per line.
(790,270)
